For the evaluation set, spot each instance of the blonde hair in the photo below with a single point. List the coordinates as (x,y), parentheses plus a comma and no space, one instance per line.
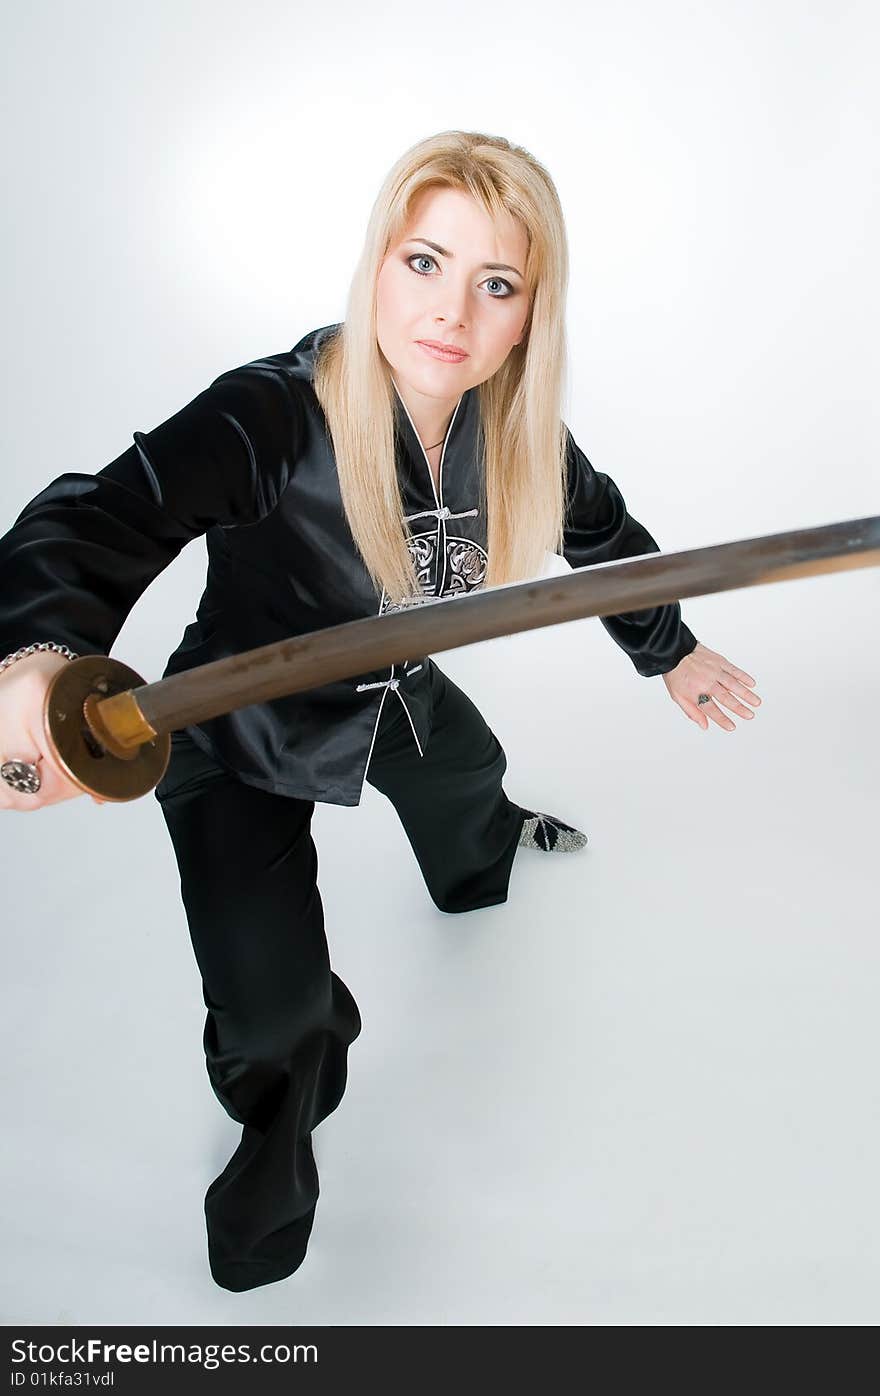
(521,429)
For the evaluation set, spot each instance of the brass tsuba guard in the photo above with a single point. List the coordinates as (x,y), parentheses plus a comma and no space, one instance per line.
(84,747)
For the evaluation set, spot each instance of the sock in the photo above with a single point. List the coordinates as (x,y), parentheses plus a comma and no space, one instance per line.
(550,834)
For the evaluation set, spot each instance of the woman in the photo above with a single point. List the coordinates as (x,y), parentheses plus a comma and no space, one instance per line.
(415,451)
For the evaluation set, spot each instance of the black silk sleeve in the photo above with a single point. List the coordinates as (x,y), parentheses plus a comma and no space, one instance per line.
(599,529)
(83,550)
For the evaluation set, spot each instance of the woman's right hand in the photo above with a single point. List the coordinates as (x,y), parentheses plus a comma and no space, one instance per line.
(22,733)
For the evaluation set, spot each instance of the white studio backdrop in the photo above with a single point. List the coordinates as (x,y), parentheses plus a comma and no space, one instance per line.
(642,1091)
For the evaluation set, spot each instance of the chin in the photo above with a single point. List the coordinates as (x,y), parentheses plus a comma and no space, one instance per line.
(441,376)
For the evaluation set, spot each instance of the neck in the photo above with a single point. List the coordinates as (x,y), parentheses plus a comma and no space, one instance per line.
(430,416)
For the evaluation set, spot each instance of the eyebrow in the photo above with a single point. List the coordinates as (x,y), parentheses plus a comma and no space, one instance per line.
(487,266)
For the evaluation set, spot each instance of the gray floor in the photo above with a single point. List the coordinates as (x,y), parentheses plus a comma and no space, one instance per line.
(642,1092)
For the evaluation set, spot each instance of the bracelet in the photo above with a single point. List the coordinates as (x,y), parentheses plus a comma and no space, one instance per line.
(32,649)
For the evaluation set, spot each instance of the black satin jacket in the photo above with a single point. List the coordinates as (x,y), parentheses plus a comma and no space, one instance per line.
(249,464)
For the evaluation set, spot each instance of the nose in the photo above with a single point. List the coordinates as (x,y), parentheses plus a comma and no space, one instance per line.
(452,306)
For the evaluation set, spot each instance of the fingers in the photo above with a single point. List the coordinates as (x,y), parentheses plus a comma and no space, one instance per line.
(703,713)
(727,698)
(54,785)
(736,687)
(693,712)
(24,736)
(17,799)
(721,663)
(739,674)
(734,677)
(713,711)
(20,800)
(25,802)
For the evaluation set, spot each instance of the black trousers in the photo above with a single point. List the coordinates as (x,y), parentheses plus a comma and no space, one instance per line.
(279,1020)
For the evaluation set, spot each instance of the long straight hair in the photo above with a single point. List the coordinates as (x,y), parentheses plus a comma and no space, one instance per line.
(521,431)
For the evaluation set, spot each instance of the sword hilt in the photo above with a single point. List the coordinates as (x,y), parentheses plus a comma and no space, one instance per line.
(119,764)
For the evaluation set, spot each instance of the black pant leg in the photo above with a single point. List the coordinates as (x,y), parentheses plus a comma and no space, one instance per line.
(279,1021)
(463,829)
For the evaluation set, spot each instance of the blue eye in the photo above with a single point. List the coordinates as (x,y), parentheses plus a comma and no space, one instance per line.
(426,257)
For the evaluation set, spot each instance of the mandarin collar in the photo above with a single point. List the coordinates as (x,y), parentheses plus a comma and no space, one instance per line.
(456,432)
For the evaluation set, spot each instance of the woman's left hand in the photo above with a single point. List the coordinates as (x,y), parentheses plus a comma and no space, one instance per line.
(704,671)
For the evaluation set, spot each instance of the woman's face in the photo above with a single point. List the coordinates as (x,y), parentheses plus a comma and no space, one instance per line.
(435,285)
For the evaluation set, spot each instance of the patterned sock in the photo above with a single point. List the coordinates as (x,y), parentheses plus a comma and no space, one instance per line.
(550,834)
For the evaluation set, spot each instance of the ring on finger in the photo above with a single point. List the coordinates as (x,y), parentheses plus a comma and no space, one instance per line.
(22,775)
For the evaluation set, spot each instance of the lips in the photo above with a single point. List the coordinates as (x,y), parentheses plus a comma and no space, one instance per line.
(447,353)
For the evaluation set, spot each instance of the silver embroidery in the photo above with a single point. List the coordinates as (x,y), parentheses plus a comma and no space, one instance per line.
(423,551)
(466,565)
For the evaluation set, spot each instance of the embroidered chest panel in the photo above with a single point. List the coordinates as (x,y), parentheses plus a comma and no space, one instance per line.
(445,566)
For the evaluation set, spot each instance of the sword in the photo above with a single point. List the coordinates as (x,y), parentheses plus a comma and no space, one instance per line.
(110,730)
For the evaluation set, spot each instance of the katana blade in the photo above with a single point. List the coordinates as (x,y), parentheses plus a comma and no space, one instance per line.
(123,716)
